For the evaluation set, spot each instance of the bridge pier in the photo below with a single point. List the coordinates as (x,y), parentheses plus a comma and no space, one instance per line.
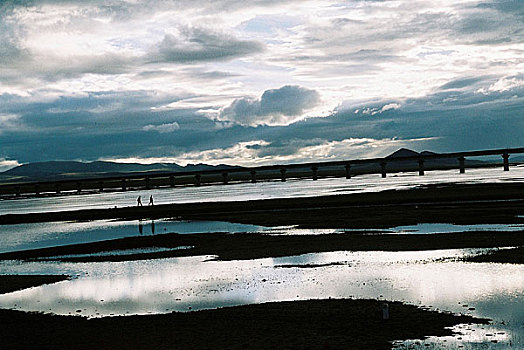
(198,177)
(348,170)
(383,169)
(253,176)
(172,181)
(225,178)
(315,173)
(421,167)
(462,165)
(123,181)
(505,156)
(283,174)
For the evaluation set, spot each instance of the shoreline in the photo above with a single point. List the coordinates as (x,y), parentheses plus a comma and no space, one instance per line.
(13,283)
(311,324)
(247,246)
(464,203)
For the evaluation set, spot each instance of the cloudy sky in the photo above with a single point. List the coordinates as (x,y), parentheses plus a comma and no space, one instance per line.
(257,82)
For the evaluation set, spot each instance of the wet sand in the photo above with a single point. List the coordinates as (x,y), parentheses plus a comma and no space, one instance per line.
(509,256)
(245,246)
(11,283)
(313,324)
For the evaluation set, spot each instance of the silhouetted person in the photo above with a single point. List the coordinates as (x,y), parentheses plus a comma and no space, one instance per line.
(139,201)
(152,227)
(151,200)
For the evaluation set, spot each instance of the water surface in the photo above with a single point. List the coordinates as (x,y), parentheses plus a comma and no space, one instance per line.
(260,190)
(493,291)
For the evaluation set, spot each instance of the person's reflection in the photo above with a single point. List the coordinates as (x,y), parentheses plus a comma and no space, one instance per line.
(152,227)
(140,227)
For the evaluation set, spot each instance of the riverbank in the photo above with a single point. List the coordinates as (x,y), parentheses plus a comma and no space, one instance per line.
(504,256)
(240,246)
(459,203)
(313,324)
(12,283)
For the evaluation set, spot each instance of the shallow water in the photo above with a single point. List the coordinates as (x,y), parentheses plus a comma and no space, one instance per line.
(260,190)
(422,228)
(494,291)
(51,234)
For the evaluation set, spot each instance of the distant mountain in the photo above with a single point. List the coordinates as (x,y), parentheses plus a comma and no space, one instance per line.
(403,152)
(61,170)
(429,163)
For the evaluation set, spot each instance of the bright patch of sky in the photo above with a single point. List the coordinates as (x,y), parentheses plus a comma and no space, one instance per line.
(193,81)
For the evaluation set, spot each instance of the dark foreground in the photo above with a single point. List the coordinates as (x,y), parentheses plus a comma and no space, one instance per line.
(11,283)
(511,256)
(314,324)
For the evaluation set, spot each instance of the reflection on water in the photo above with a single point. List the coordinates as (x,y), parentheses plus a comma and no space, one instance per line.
(41,235)
(50,234)
(122,252)
(423,228)
(261,190)
(494,291)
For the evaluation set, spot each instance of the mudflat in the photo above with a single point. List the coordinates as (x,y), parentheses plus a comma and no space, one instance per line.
(313,324)
(242,246)
(11,283)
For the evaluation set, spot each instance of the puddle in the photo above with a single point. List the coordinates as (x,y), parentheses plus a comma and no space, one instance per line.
(123,252)
(434,279)
(424,228)
(51,234)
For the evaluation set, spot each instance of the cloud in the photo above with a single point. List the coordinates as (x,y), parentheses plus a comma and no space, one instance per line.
(163,128)
(195,45)
(504,84)
(10,122)
(275,107)
(261,152)
(7,164)
(84,80)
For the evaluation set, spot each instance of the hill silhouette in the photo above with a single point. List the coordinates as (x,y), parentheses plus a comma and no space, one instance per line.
(61,170)
(67,170)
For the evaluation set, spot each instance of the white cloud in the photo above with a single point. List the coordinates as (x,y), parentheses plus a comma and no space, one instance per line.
(162,128)
(260,152)
(390,106)
(7,164)
(502,85)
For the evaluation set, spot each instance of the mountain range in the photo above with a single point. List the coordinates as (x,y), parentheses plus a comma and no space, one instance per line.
(64,170)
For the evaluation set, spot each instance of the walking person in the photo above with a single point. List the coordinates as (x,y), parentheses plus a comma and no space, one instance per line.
(139,201)
(151,200)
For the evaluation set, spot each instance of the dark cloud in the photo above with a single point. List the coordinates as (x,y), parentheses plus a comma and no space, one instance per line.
(276,106)
(448,120)
(462,83)
(196,45)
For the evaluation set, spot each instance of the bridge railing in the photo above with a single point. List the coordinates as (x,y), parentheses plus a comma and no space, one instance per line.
(253,174)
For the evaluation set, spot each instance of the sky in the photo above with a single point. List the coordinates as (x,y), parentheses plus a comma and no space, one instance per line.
(257,82)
